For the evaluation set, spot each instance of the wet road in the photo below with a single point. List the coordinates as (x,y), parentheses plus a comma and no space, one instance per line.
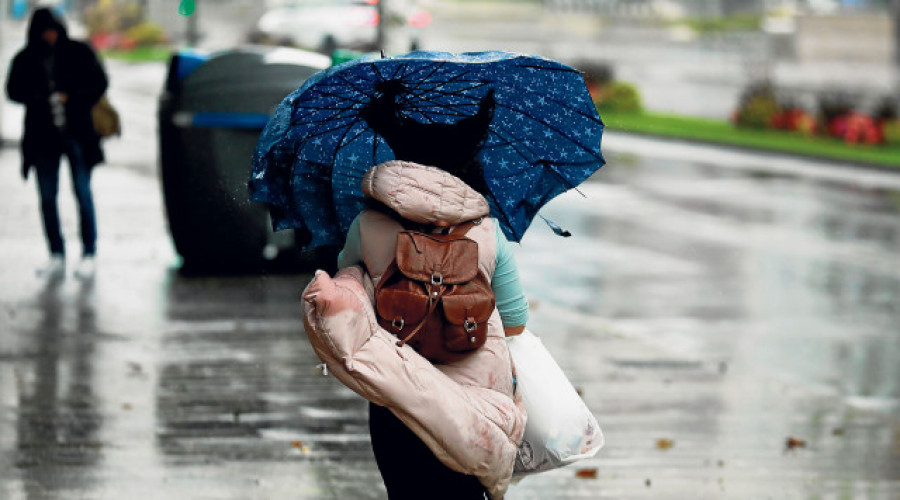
(721,301)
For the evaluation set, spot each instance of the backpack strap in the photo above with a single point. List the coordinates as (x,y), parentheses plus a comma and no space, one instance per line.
(432,304)
(408,225)
(464,227)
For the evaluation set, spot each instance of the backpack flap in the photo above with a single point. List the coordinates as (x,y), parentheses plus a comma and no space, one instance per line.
(400,310)
(470,307)
(467,317)
(440,258)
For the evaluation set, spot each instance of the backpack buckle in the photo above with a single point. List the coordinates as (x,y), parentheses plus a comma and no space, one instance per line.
(437,278)
(398,326)
(470,324)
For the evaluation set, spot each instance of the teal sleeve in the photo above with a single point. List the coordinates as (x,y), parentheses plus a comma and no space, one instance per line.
(508,293)
(351,254)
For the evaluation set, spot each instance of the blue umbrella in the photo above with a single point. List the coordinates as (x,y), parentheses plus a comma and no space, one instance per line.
(519,129)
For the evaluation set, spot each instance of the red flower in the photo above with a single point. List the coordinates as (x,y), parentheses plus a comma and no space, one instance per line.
(861,128)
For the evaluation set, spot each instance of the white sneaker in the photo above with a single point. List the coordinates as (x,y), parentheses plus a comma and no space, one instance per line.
(56,268)
(86,268)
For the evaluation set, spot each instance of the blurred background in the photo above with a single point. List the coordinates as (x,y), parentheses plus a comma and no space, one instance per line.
(728,304)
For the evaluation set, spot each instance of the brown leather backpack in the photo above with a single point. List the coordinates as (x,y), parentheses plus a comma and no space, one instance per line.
(434,297)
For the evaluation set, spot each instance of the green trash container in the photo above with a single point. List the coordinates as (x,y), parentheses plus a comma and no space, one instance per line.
(211,112)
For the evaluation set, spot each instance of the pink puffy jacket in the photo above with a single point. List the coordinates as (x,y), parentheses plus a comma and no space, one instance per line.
(465,412)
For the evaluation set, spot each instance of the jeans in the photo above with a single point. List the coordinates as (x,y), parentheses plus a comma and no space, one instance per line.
(47,168)
(409,469)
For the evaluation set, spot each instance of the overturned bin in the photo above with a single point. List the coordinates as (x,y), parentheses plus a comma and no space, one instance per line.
(211,112)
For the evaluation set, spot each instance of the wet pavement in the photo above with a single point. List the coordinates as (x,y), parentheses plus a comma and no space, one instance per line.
(720,307)
(710,306)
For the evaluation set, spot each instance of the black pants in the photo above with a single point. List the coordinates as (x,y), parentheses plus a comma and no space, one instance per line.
(409,469)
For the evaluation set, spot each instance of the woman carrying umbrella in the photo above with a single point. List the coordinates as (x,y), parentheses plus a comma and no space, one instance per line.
(438,129)
(407,466)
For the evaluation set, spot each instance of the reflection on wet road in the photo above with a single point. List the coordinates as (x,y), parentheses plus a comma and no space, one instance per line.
(728,310)
(724,309)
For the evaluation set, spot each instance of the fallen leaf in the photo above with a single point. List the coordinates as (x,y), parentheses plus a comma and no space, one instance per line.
(300,446)
(793,443)
(586,473)
(126,406)
(837,432)
(648,483)
(664,444)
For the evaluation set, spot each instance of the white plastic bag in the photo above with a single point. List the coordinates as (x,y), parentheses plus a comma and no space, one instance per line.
(560,428)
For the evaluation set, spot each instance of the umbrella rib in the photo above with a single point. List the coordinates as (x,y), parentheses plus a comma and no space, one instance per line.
(444,109)
(548,164)
(358,135)
(316,117)
(515,146)
(319,132)
(340,143)
(457,78)
(545,164)
(361,90)
(320,123)
(334,89)
(439,112)
(336,115)
(380,77)
(562,177)
(438,109)
(432,71)
(330,118)
(550,126)
(443,93)
(335,95)
(438,84)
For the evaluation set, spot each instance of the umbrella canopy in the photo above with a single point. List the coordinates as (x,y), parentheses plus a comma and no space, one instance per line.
(519,129)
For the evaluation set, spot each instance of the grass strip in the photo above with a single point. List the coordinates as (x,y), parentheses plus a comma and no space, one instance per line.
(140,54)
(722,132)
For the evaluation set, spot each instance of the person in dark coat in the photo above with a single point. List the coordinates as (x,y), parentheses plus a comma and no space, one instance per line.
(59,80)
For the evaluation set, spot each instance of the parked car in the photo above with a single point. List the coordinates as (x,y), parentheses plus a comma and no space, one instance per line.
(326,25)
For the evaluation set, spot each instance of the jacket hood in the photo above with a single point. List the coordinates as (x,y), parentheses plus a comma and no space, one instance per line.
(423,194)
(42,20)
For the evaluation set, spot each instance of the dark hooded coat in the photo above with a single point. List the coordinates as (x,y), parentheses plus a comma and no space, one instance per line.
(76,71)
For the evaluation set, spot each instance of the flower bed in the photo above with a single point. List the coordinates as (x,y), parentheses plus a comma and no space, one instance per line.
(837,115)
(120,26)
(722,132)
